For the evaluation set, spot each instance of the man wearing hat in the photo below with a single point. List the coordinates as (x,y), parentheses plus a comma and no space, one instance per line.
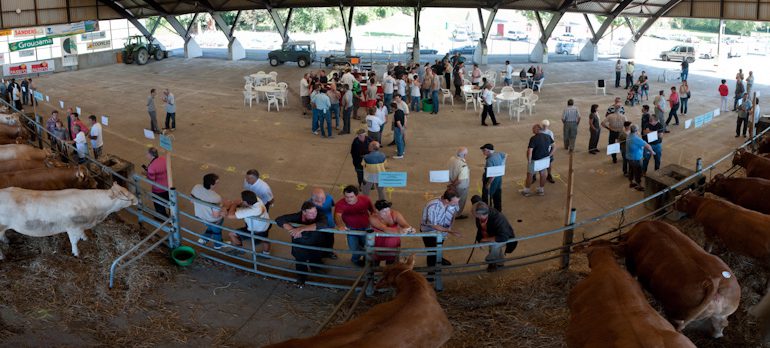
(492,226)
(358,149)
(492,187)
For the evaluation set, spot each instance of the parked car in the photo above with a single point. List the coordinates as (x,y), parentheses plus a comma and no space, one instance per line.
(679,52)
(428,51)
(516,35)
(463,50)
(302,52)
(567,37)
(566,48)
(342,60)
(460,35)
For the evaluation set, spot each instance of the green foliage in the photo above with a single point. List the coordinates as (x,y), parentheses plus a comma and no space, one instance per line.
(712,25)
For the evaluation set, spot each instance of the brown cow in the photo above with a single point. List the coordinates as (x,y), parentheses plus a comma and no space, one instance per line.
(413,319)
(750,193)
(763,146)
(12,131)
(18,151)
(743,231)
(9,140)
(755,165)
(690,283)
(48,179)
(15,165)
(761,311)
(609,309)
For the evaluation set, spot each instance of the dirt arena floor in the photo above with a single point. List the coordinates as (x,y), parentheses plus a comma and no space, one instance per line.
(217,133)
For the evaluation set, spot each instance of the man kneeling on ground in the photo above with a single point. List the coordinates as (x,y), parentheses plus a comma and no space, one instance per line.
(492,226)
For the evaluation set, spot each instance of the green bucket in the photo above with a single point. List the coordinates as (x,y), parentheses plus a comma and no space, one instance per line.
(183,255)
(427,105)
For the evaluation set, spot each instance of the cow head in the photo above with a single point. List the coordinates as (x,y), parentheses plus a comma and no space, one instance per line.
(600,246)
(120,193)
(392,272)
(714,186)
(687,202)
(740,158)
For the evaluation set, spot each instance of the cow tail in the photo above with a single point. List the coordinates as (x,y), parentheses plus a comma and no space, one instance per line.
(711,286)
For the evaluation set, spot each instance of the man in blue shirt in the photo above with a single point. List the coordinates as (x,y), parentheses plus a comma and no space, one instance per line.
(492,187)
(635,147)
(321,112)
(324,203)
(743,115)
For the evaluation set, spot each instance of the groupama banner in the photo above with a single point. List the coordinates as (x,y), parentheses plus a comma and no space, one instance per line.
(32,43)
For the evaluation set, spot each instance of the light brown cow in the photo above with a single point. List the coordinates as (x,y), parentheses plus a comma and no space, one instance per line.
(742,231)
(16,165)
(609,309)
(413,319)
(9,140)
(691,284)
(750,193)
(48,179)
(755,165)
(763,146)
(25,152)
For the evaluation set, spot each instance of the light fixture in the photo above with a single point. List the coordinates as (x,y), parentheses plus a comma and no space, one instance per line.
(18,11)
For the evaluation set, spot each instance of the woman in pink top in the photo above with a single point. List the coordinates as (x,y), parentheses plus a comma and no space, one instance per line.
(156,172)
(389,221)
(673,101)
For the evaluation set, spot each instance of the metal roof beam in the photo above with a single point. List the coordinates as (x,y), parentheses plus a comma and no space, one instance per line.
(129,16)
(280,26)
(487,27)
(610,18)
(650,21)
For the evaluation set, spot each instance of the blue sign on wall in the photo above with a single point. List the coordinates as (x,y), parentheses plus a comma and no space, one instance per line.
(165,142)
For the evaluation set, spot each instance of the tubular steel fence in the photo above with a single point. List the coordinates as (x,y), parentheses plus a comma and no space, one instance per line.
(182,227)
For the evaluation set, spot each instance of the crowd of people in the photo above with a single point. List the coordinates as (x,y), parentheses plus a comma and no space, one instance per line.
(18,94)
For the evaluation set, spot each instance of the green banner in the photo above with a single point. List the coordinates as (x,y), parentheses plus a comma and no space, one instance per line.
(27,44)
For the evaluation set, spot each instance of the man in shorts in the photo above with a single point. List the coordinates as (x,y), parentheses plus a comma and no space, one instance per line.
(539,147)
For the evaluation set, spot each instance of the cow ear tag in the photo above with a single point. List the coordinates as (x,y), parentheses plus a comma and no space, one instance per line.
(726,274)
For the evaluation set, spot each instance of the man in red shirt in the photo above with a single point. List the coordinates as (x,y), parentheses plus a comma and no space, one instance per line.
(724,91)
(352,213)
(673,101)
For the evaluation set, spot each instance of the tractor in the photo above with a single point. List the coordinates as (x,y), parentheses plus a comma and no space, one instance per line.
(138,50)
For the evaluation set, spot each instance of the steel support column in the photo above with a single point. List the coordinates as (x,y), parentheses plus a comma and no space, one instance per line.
(347,24)
(123,12)
(539,53)
(610,18)
(629,50)
(480,54)
(281,26)
(416,39)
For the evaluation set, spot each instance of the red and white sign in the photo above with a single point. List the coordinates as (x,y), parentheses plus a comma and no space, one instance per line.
(29,68)
(27,32)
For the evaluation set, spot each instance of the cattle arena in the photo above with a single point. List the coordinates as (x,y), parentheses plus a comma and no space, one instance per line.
(53,298)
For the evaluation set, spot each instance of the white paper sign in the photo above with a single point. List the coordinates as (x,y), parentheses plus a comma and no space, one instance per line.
(77,109)
(613,148)
(542,164)
(757,93)
(47,99)
(717,112)
(687,124)
(61,104)
(23,89)
(493,172)
(105,120)
(439,176)
(149,134)
(652,136)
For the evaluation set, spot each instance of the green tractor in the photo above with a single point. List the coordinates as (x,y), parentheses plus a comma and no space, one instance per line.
(138,50)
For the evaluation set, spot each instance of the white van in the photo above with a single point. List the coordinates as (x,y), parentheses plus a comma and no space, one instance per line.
(679,52)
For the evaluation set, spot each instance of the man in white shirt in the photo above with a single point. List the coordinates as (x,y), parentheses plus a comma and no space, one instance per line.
(387,89)
(489,99)
(304,93)
(81,144)
(402,87)
(347,78)
(374,125)
(253,183)
(254,214)
(206,197)
(97,141)
(508,80)
(459,178)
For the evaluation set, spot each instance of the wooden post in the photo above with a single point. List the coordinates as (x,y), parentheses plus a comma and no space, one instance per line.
(751,116)
(570,214)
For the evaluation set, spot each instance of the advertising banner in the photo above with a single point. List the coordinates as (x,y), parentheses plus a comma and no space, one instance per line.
(99,45)
(6,32)
(27,44)
(29,68)
(69,47)
(27,53)
(27,32)
(93,36)
(70,60)
(72,28)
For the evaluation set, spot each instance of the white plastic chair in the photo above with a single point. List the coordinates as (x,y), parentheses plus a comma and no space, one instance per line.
(527,92)
(530,102)
(248,87)
(282,85)
(539,84)
(248,95)
(282,96)
(272,100)
(523,84)
(272,84)
(447,94)
(260,72)
(603,87)
(273,76)
(516,108)
(469,100)
(507,89)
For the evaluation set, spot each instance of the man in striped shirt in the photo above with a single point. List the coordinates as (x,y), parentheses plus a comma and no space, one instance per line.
(571,119)
(438,216)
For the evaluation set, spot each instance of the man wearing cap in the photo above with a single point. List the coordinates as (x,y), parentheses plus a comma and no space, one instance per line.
(492,187)
(539,148)
(459,178)
(358,149)
(492,226)
(571,119)
(613,122)
(634,152)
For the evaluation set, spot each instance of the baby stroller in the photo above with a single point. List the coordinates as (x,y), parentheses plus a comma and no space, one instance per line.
(633,95)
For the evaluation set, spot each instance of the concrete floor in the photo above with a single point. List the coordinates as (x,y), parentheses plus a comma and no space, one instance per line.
(217,133)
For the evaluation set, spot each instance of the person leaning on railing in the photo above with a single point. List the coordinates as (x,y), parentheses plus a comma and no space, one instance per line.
(438,216)
(254,214)
(308,222)
(388,220)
